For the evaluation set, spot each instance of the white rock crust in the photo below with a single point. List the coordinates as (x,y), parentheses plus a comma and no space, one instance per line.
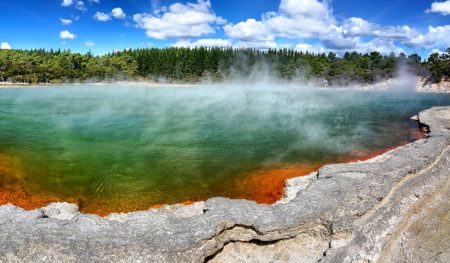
(61,211)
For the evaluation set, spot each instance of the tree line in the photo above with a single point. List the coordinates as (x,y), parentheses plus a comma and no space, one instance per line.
(215,64)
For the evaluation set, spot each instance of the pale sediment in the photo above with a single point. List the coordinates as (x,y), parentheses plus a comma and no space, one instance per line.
(356,212)
(442,87)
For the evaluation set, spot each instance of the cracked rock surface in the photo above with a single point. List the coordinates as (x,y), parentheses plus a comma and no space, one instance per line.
(384,209)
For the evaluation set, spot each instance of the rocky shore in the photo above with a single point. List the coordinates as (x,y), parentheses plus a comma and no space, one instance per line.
(417,84)
(442,87)
(392,208)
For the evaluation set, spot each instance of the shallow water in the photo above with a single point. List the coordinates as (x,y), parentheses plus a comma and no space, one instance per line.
(123,148)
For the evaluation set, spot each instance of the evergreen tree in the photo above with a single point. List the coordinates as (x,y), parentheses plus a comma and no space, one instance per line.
(216,64)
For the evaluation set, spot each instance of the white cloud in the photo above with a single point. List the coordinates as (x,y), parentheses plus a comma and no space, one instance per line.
(94,1)
(383,46)
(306,8)
(317,49)
(102,17)
(436,37)
(5,45)
(356,26)
(180,21)
(440,7)
(313,19)
(67,3)
(295,19)
(401,33)
(335,39)
(80,6)
(205,42)
(250,30)
(435,50)
(118,13)
(256,44)
(89,43)
(67,35)
(115,13)
(66,21)
(301,18)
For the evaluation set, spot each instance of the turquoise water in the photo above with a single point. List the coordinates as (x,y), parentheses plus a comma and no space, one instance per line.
(130,147)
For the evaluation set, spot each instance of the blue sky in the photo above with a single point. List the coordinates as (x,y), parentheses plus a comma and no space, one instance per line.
(103,26)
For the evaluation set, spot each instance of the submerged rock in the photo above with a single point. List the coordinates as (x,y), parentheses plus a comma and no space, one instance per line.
(61,211)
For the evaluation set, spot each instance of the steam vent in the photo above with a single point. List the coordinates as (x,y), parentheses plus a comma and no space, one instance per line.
(392,208)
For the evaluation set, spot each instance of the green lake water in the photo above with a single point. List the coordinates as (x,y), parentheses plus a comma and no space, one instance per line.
(135,146)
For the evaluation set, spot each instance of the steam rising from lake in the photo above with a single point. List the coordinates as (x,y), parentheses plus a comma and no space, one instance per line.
(135,146)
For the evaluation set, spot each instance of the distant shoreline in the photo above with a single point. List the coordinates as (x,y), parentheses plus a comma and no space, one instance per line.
(6,85)
(421,85)
(442,87)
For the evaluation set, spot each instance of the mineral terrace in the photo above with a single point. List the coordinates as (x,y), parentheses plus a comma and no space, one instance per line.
(393,208)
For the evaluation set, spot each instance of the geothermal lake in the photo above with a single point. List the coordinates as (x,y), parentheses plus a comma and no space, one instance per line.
(117,148)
